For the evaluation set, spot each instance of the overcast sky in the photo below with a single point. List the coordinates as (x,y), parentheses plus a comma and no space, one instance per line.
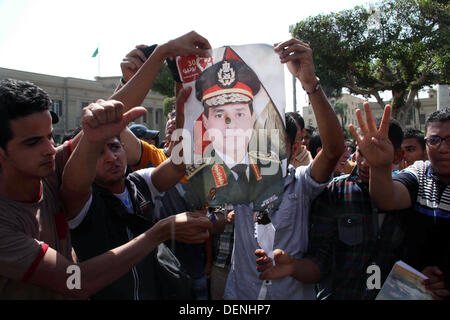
(58,37)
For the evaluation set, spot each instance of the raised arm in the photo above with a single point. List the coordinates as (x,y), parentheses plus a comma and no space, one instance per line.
(132,145)
(131,63)
(298,57)
(379,152)
(101,121)
(134,91)
(166,175)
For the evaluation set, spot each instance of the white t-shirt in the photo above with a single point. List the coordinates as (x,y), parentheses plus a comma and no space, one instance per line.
(124,197)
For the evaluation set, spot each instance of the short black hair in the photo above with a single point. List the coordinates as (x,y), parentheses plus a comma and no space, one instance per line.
(19,99)
(310,129)
(395,133)
(291,128)
(441,115)
(412,133)
(314,143)
(298,118)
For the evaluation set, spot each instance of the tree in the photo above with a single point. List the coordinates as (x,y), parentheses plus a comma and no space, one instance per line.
(399,46)
(168,105)
(341,109)
(163,82)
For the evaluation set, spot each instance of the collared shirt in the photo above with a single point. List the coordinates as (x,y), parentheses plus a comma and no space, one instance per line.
(231,163)
(347,237)
(291,222)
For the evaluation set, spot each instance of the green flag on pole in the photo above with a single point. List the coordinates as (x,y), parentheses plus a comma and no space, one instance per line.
(95,53)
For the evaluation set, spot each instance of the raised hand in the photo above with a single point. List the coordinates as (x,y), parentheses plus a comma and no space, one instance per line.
(132,62)
(106,119)
(182,97)
(374,143)
(189,44)
(284,264)
(298,57)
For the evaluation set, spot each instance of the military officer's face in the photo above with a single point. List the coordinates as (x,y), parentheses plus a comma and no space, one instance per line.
(229,128)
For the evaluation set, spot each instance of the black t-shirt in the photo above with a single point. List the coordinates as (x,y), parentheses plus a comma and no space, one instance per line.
(427,226)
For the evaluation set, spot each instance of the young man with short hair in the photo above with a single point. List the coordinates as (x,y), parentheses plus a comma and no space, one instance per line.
(301,156)
(424,186)
(35,250)
(413,146)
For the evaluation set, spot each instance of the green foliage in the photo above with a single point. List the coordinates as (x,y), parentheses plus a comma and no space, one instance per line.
(340,108)
(163,82)
(400,46)
(168,105)
(347,134)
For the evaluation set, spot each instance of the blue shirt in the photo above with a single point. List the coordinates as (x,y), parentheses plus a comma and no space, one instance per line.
(291,222)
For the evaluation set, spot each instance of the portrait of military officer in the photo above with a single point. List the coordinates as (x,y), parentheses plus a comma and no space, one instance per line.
(232,169)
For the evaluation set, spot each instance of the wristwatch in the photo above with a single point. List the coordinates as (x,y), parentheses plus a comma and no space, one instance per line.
(316,87)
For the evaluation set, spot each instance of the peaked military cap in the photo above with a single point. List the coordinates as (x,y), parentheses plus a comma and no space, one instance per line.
(228,81)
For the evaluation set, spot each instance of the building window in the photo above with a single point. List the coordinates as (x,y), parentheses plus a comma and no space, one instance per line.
(310,111)
(422,118)
(310,122)
(57,107)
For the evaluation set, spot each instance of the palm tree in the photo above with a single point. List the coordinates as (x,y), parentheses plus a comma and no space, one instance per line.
(341,109)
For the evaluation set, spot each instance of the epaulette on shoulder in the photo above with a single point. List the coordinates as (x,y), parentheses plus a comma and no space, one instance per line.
(272,156)
(191,170)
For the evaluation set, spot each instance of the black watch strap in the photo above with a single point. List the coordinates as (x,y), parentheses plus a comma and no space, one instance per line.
(316,88)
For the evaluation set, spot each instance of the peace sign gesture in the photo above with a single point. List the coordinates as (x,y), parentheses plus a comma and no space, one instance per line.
(374,143)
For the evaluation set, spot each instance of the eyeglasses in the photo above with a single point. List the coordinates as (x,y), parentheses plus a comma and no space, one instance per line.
(435,141)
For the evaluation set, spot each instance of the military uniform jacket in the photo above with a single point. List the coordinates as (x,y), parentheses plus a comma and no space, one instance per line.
(213,184)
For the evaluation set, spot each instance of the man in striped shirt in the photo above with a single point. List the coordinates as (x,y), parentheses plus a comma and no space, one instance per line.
(422,186)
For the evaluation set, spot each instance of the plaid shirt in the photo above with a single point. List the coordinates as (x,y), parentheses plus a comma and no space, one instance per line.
(346,238)
(223,246)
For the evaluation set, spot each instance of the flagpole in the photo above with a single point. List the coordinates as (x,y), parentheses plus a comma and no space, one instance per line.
(98,61)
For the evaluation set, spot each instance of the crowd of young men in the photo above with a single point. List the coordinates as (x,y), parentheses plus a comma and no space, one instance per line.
(77,204)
